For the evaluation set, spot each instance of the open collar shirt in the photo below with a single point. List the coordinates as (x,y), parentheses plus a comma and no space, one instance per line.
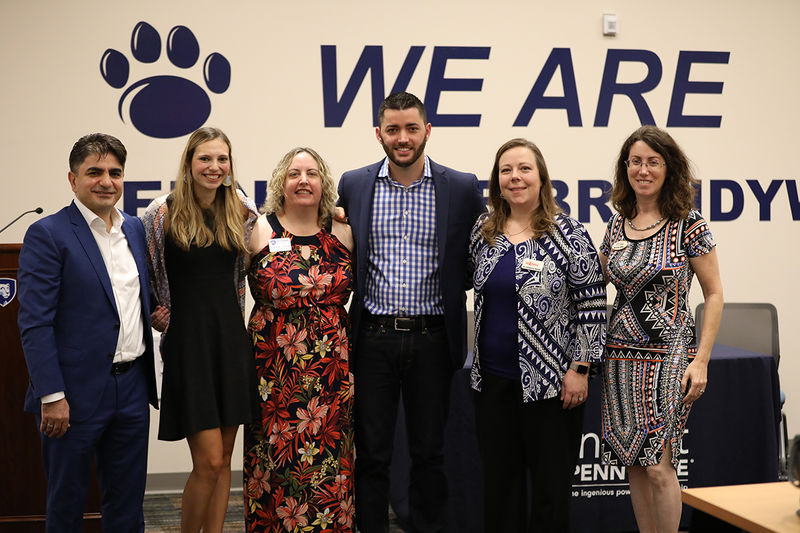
(124,275)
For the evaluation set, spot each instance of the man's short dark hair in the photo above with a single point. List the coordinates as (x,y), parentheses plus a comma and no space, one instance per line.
(99,144)
(401,101)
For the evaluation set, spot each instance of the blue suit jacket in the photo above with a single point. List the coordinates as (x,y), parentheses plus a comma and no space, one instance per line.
(68,318)
(458,205)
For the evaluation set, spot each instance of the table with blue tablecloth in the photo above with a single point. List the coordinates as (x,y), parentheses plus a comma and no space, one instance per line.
(731,438)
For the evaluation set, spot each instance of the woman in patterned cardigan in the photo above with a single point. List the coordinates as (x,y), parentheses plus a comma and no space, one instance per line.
(540,305)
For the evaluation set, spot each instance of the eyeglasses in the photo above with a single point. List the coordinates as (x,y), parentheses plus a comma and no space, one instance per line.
(652,164)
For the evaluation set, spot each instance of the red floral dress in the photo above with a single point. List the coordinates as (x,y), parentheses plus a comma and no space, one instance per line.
(298,459)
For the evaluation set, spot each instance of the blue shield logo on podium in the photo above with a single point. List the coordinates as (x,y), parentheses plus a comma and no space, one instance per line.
(8,289)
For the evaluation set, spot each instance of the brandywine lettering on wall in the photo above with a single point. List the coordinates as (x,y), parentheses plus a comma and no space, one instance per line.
(586,199)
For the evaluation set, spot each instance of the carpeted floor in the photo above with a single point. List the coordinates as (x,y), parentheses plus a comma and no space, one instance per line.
(162,513)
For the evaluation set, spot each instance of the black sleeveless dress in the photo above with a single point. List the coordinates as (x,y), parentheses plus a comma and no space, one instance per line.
(209,371)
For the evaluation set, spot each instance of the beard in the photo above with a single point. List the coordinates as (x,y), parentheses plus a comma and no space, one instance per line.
(407,163)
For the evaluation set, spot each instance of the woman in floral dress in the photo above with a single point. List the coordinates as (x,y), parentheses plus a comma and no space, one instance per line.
(299,456)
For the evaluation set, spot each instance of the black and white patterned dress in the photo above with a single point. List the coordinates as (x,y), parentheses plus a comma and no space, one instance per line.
(651,338)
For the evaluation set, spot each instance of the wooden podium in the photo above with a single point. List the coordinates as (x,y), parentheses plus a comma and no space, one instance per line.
(22,480)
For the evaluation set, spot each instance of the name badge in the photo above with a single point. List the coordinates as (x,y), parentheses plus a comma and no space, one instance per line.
(283,244)
(619,245)
(532,264)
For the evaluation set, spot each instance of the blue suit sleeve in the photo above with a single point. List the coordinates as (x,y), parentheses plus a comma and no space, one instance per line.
(478,204)
(476,207)
(343,197)
(40,266)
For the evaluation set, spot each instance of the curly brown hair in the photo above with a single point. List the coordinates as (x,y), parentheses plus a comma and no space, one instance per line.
(542,218)
(677,195)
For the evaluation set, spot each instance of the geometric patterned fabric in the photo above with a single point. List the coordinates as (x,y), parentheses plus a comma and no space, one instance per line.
(651,338)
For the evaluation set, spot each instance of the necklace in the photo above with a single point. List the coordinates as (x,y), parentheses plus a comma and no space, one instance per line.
(526,228)
(651,226)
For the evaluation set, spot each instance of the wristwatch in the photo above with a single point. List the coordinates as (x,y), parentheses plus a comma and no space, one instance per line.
(580,369)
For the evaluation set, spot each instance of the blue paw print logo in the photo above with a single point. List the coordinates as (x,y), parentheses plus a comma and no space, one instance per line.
(165,106)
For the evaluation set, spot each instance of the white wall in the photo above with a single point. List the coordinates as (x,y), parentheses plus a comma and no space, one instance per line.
(52,93)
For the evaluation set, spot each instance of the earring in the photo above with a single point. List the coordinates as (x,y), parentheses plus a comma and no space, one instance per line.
(186,178)
(227,181)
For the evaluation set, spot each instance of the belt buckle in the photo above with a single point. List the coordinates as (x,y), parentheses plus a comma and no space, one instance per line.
(120,368)
(409,322)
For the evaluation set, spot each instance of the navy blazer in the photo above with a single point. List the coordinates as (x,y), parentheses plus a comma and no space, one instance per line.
(68,318)
(458,205)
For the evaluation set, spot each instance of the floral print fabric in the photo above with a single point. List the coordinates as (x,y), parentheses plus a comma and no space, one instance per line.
(299,457)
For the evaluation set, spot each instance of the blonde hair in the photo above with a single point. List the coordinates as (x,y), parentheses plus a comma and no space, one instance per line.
(186,222)
(276,196)
(542,218)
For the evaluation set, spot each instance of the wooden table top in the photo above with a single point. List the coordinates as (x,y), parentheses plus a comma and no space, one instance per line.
(758,508)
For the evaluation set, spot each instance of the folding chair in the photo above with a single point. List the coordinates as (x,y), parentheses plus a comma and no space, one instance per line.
(754,327)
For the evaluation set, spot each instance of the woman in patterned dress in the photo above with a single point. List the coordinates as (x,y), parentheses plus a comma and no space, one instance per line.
(299,454)
(540,321)
(197,255)
(652,248)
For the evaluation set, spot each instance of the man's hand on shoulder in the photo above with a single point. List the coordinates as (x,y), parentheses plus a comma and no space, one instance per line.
(343,232)
(339,215)
(55,418)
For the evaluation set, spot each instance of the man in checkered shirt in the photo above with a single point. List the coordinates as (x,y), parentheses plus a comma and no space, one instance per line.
(411,220)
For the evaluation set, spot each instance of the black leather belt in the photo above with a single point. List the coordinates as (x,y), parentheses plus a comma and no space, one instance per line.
(121,368)
(406,323)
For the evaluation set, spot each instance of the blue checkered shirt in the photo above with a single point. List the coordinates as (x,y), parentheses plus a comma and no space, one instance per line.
(403,269)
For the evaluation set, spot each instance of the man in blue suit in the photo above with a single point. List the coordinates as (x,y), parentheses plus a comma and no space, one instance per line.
(84,322)
(411,220)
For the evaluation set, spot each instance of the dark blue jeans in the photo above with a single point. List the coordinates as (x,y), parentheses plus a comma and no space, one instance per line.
(386,363)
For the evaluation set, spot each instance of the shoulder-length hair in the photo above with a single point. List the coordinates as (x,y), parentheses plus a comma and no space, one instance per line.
(276,195)
(186,221)
(542,218)
(677,194)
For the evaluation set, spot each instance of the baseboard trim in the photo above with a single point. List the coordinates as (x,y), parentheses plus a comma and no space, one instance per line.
(172,482)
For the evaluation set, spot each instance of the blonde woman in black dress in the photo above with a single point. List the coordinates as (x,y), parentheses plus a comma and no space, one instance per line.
(197,246)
